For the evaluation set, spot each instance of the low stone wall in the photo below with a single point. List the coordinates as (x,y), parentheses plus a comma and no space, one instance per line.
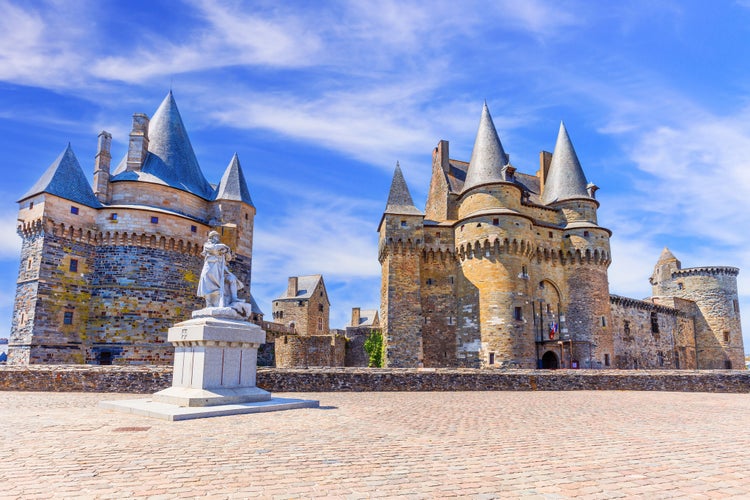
(149,379)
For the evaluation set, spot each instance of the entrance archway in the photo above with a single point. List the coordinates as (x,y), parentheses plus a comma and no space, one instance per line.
(550,361)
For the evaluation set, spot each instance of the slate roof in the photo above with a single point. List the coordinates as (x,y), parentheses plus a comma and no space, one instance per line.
(305,287)
(254,307)
(233,185)
(488,156)
(565,178)
(65,178)
(367,317)
(170,160)
(399,198)
(457,176)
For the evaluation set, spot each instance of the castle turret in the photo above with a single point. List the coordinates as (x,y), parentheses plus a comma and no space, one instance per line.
(586,247)
(401,241)
(233,209)
(101,167)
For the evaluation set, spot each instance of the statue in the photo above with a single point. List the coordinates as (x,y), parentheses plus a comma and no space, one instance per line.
(217,284)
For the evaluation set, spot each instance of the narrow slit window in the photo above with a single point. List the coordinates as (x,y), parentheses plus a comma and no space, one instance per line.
(73,268)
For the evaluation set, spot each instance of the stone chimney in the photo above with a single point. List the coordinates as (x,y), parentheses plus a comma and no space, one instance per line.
(138,147)
(102,162)
(291,290)
(355,316)
(545,159)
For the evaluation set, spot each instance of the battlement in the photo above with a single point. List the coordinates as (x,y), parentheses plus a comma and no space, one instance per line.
(707,271)
(645,305)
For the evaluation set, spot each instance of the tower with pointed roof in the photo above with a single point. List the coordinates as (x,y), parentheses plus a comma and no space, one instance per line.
(400,247)
(105,270)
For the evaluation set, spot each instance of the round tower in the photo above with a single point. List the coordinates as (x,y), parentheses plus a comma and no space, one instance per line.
(586,253)
(493,243)
(713,290)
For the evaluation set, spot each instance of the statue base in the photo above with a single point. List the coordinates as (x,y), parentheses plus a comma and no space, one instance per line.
(215,365)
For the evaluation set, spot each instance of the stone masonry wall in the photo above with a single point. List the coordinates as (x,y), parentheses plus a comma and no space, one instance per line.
(313,350)
(150,379)
(638,347)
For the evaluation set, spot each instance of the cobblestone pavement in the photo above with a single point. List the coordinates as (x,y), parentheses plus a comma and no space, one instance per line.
(361,445)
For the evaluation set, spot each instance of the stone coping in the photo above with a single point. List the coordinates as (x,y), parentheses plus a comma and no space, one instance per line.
(150,379)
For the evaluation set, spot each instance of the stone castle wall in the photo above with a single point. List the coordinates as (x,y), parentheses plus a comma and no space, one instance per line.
(313,350)
(150,379)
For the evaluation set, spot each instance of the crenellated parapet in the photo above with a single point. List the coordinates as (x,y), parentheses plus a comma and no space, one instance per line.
(707,271)
(645,305)
(30,229)
(399,246)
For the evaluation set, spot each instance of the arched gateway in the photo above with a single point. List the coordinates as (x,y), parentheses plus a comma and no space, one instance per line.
(550,361)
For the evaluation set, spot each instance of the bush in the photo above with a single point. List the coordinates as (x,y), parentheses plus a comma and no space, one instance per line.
(374,349)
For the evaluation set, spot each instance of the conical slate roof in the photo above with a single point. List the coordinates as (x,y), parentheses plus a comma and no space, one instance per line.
(65,178)
(399,198)
(565,179)
(233,185)
(171,159)
(488,156)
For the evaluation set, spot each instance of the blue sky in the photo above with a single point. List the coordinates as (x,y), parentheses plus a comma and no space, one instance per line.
(321,99)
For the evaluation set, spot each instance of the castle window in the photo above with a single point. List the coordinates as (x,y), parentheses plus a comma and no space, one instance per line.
(450,320)
(320,307)
(524,272)
(518,314)
(31,205)
(677,360)
(626,327)
(193,229)
(113,216)
(300,303)
(736,305)
(73,268)
(154,220)
(495,222)
(28,264)
(479,224)
(320,324)
(451,279)
(403,223)
(549,233)
(604,322)
(492,358)
(437,235)
(281,314)
(660,358)
(606,360)
(68,318)
(727,364)
(726,337)
(549,309)
(74,210)
(654,323)
(680,286)
(585,233)
(428,281)
(247,216)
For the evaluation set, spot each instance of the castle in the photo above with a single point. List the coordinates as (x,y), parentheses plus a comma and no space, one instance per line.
(502,269)
(509,270)
(106,271)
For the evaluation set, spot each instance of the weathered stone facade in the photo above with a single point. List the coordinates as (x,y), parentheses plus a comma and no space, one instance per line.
(509,270)
(105,272)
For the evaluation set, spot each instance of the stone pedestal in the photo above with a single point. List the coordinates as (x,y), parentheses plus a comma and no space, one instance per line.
(214,363)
